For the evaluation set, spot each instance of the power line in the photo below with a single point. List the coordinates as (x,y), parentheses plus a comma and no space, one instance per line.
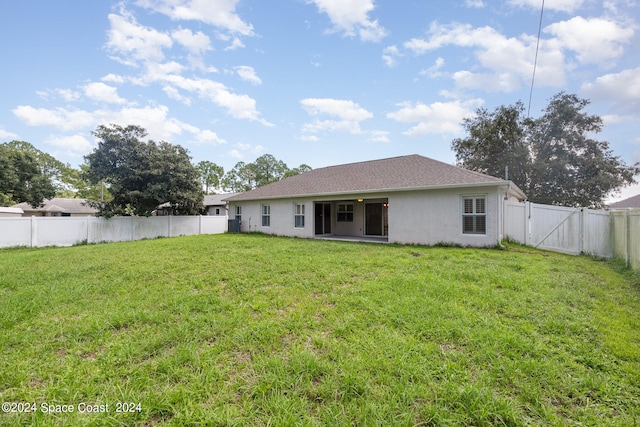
(535,62)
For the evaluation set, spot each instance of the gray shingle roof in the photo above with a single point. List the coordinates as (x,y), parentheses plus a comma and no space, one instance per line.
(217,199)
(396,173)
(631,202)
(58,204)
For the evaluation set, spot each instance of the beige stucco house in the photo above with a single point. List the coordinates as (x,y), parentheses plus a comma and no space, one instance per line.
(408,199)
(58,206)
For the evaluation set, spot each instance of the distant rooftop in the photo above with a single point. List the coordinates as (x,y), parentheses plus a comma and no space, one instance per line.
(59,204)
(631,202)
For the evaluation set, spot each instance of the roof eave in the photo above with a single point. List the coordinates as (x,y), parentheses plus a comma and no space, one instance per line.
(377,191)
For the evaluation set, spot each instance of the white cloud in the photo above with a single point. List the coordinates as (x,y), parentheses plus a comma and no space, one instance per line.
(59,118)
(208,137)
(132,42)
(309,138)
(436,118)
(622,89)
(508,60)
(6,135)
(348,113)
(102,92)
(196,44)
(559,5)
(248,74)
(155,119)
(174,94)
(77,143)
(345,109)
(66,94)
(434,71)
(220,13)
(390,55)
(235,44)
(138,45)
(595,40)
(243,149)
(378,136)
(352,18)
(475,4)
(623,86)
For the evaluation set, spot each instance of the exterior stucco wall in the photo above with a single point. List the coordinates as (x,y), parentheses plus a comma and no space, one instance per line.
(423,217)
(282,217)
(432,217)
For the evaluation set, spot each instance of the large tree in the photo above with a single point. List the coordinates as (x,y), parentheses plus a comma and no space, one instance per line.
(264,170)
(569,167)
(142,175)
(21,177)
(66,180)
(210,176)
(495,142)
(553,159)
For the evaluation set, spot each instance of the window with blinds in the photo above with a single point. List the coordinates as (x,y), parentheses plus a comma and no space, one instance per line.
(474,216)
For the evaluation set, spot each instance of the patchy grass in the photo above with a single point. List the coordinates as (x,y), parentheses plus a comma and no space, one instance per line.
(258,330)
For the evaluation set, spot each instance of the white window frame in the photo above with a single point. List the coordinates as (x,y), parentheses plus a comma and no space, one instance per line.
(472,213)
(298,215)
(239,213)
(346,214)
(265,211)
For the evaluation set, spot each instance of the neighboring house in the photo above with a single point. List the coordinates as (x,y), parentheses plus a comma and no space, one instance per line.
(409,199)
(10,212)
(213,205)
(631,202)
(59,207)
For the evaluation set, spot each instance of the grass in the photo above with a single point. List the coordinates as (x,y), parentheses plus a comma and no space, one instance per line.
(255,330)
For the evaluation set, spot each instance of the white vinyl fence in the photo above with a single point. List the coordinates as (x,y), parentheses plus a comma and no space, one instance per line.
(625,224)
(560,229)
(67,231)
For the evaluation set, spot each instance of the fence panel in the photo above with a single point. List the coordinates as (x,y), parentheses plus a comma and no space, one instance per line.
(54,231)
(596,233)
(516,221)
(117,229)
(633,242)
(15,232)
(619,234)
(213,224)
(184,226)
(151,227)
(63,231)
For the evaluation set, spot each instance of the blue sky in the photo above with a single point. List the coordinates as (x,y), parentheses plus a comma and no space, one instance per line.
(320,82)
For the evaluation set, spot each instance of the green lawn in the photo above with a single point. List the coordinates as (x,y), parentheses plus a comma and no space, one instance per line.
(266,331)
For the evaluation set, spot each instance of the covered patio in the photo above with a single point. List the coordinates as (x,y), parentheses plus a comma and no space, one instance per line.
(349,219)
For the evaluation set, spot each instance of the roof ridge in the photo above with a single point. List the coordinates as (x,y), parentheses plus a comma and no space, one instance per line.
(371,161)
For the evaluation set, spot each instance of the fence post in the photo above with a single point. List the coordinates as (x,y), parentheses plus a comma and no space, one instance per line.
(169,225)
(627,249)
(200,225)
(34,231)
(581,231)
(526,222)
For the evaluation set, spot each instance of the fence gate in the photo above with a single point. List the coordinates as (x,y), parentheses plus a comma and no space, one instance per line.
(559,228)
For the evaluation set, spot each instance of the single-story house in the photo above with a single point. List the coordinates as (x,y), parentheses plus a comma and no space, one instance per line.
(631,202)
(58,207)
(11,212)
(216,205)
(408,199)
